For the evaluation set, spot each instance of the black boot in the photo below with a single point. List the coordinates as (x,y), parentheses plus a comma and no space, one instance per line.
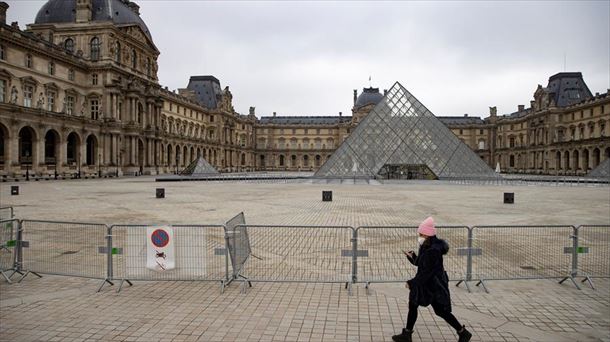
(405,336)
(464,335)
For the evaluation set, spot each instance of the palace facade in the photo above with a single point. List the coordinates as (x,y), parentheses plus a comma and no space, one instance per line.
(79,93)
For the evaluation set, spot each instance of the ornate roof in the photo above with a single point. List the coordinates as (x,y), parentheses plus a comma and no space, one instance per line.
(117,11)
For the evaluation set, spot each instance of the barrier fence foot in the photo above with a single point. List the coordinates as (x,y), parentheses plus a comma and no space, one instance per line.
(348,286)
(222,287)
(465,284)
(368,284)
(106,280)
(587,278)
(572,280)
(482,284)
(121,284)
(26,274)
(8,280)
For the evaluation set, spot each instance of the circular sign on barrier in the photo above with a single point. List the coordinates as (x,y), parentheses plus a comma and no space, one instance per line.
(160,238)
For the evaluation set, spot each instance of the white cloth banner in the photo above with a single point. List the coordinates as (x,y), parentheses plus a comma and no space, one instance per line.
(160,254)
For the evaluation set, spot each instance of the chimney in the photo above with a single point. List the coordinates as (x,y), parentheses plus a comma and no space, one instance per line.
(340,114)
(493,111)
(274,114)
(596,94)
(3,7)
(355,96)
(465,115)
(385,92)
(83,11)
(520,108)
(134,7)
(532,104)
(251,111)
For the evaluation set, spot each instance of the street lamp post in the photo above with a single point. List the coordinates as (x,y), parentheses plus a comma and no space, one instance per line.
(55,168)
(99,165)
(78,174)
(177,160)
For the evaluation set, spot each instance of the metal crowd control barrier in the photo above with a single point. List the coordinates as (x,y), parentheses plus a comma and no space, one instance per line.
(592,252)
(238,244)
(8,251)
(321,254)
(380,257)
(521,252)
(6,213)
(63,248)
(199,254)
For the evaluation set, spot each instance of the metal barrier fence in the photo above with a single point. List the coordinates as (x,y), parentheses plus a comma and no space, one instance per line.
(199,253)
(6,213)
(592,252)
(380,256)
(299,254)
(521,252)
(8,244)
(238,243)
(322,254)
(63,248)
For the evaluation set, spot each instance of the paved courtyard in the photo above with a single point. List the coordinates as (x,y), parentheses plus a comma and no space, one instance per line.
(56,308)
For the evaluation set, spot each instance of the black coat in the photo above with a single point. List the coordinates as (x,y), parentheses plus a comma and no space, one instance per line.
(431,283)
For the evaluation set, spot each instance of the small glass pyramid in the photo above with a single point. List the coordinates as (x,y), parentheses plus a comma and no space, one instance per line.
(199,167)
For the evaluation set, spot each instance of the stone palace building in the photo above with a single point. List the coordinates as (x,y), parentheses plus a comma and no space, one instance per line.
(79,93)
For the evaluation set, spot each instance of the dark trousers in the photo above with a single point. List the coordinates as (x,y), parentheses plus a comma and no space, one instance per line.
(438,310)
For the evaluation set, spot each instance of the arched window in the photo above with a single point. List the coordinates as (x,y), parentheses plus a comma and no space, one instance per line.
(95,46)
(134,59)
(69,45)
(117,52)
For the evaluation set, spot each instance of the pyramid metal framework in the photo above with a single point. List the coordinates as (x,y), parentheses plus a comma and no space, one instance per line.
(199,167)
(602,170)
(400,130)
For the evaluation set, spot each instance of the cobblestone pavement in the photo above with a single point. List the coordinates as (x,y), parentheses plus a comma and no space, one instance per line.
(56,308)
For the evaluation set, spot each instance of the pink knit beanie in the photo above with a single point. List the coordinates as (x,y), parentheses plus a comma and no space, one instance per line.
(427,227)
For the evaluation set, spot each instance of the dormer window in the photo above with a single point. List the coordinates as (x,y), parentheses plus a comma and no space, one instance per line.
(69,45)
(95,46)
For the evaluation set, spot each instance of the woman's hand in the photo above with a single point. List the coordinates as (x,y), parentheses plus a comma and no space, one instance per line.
(409,254)
(407,285)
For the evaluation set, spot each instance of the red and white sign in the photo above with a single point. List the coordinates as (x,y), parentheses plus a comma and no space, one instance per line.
(160,255)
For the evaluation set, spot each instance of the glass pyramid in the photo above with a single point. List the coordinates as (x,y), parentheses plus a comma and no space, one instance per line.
(402,136)
(601,171)
(199,167)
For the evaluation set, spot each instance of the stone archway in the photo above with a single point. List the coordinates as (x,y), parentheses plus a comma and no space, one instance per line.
(91,149)
(72,148)
(27,137)
(4,139)
(51,147)
(141,155)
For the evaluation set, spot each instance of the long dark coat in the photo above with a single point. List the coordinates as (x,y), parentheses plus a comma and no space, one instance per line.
(431,283)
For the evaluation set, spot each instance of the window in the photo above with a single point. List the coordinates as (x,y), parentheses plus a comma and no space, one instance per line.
(95,46)
(148,67)
(94,79)
(51,68)
(95,107)
(71,74)
(480,131)
(120,112)
(50,101)
(28,92)
(117,52)
(2,90)
(512,161)
(29,61)
(582,133)
(2,53)
(306,130)
(69,104)
(481,144)
(461,131)
(294,131)
(212,118)
(69,45)
(511,142)
(134,59)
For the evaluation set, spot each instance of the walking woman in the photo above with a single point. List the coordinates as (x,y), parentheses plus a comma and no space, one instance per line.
(430,286)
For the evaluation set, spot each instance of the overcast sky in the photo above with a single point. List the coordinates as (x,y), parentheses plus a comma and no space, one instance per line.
(305,58)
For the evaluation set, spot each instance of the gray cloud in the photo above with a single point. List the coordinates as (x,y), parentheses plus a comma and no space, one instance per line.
(304,58)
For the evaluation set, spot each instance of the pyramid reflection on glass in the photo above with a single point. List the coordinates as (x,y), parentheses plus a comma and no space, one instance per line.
(199,167)
(400,134)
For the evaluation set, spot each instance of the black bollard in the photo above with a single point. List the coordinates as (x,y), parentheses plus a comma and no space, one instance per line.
(160,192)
(14,189)
(327,196)
(509,198)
